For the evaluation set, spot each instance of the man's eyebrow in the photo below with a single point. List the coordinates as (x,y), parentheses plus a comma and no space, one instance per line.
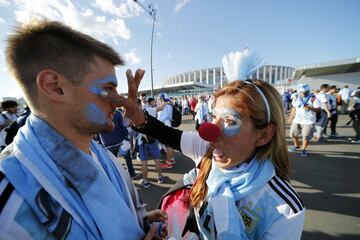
(108,80)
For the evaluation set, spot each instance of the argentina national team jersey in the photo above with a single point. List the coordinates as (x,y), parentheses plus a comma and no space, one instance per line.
(273,212)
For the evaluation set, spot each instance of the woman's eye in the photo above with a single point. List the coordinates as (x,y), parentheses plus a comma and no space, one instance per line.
(229,121)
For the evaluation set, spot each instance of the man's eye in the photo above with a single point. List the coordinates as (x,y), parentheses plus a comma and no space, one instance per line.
(109,89)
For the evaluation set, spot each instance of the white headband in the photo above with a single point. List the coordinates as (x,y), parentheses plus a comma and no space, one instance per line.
(239,65)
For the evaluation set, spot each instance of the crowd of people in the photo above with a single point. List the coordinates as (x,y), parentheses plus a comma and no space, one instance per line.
(60,176)
(312,111)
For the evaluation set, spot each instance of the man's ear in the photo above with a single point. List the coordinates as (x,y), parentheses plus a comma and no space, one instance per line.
(49,84)
(265,135)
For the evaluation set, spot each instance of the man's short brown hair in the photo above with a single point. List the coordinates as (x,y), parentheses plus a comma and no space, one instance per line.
(43,44)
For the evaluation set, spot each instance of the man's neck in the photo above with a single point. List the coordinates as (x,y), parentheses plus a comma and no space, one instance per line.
(81,141)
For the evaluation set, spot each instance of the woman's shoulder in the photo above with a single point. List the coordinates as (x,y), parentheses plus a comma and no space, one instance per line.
(281,195)
(274,206)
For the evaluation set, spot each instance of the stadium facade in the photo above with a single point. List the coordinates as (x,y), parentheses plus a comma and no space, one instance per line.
(205,81)
(338,73)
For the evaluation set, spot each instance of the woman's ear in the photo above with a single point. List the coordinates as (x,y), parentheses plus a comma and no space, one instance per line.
(265,135)
(49,84)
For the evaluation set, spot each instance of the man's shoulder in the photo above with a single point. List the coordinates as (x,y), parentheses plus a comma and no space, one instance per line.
(7,153)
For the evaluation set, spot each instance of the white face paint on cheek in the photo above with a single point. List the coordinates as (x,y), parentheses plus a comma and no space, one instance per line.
(231,121)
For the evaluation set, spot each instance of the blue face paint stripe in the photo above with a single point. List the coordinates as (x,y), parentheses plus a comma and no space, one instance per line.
(96,87)
(231,130)
(95,114)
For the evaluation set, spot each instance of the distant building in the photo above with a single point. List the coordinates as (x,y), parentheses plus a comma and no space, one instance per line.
(205,81)
(339,73)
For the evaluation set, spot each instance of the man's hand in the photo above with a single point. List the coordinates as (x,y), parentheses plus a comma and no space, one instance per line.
(152,234)
(133,110)
(157,216)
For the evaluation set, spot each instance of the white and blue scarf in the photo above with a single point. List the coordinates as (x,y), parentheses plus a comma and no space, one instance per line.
(225,187)
(98,201)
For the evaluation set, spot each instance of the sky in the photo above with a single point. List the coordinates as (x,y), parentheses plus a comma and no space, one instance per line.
(196,34)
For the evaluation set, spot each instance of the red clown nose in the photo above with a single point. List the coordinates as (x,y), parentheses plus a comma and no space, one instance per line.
(209,132)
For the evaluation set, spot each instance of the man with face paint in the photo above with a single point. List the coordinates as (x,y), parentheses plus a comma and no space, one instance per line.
(56,182)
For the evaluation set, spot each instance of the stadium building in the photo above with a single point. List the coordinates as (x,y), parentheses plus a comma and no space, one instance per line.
(204,81)
(339,73)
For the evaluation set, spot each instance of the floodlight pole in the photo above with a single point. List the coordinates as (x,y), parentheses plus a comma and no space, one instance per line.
(151,10)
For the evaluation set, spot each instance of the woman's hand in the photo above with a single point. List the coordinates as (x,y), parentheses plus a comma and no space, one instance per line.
(133,110)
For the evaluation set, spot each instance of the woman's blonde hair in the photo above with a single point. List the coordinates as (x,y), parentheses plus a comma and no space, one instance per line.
(246,99)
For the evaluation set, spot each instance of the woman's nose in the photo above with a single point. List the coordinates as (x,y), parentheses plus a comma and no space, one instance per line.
(209,132)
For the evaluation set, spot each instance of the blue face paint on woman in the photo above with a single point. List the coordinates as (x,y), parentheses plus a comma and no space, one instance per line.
(97,86)
(231,121)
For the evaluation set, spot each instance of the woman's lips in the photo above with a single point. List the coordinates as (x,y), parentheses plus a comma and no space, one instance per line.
(218,155)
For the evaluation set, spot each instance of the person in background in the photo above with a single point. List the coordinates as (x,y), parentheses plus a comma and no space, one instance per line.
(306,106)
(58,183)
(210,107)
(286,100)
(192,106)
(7,117)
(345,94)
(165,116)
(184,106)
(202,112)
(143,100)
(149,148)
(324,113)
(15,126)
(117,142)
(355,115)
(333,119)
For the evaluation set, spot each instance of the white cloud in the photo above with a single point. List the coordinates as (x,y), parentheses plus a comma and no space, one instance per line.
(180,4)
(131,57)
(79,18)
(2,21)
(159,34)
(168,56)
(4,3)
(122,10)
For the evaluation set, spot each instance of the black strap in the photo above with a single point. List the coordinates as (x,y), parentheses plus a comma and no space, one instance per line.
(4,197)
(4,116)
(167,135)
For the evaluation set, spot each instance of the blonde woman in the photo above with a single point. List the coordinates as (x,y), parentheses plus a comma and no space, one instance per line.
(241,189)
